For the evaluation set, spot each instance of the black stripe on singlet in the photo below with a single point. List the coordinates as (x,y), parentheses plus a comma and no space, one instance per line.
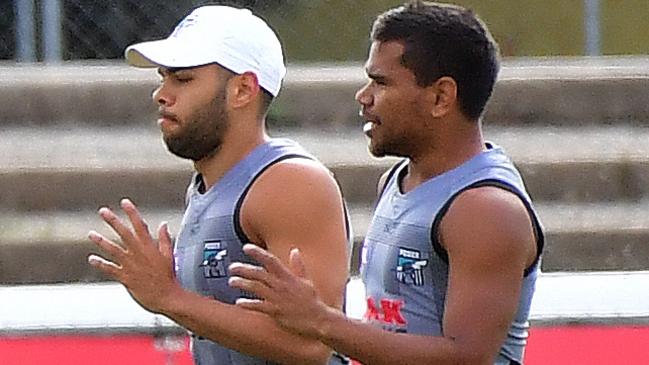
(538,232)
(391,173)
(237,210)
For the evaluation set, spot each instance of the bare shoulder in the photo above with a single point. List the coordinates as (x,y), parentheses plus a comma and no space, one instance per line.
(291,192)
(488,235)
(296,176)
(489,222)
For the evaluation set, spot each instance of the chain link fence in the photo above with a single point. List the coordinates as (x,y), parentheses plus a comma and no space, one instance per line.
(313,30)
(54,30)
(88,29)
(7,35)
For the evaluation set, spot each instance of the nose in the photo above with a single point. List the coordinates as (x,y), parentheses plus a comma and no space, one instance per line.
(363,96)
(162,95)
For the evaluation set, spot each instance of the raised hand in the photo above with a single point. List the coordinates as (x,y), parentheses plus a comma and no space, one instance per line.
(142,265)
(285,293)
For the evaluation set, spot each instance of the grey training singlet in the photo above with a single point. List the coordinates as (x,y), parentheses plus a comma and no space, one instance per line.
(405,269)
(211,238)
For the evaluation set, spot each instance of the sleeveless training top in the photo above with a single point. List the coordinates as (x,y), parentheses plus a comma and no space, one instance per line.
(211,238)
(405,269)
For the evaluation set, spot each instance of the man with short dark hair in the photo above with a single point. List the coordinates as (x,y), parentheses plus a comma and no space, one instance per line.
(452,253)
(219,70)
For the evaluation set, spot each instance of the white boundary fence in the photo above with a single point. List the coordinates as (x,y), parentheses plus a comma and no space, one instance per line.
(561,298)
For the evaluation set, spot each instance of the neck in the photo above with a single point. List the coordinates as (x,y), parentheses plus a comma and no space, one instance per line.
(238,142)
(450,148)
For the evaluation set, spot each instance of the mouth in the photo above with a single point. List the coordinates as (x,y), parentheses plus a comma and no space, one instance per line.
(166,119)
(371,122)
(367,129)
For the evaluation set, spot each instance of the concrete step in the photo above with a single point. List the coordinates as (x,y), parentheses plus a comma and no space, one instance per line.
(52,247)
(71,169)
(538,91)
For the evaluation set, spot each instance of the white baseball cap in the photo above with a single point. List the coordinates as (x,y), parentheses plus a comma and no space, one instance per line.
(233,38)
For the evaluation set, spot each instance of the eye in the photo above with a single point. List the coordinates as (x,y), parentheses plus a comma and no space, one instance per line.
(378,82)
(184,78)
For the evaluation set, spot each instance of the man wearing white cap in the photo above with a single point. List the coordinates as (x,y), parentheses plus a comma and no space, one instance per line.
(220,69)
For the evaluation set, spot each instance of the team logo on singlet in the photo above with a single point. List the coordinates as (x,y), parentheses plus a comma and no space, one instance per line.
(410,267)
(213,263)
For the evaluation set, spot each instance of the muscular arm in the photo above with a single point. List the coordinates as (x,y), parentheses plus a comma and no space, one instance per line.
(490,241)
(488,235)
(295,203)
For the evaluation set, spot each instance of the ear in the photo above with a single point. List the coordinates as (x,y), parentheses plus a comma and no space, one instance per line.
(243,90)
(443,93)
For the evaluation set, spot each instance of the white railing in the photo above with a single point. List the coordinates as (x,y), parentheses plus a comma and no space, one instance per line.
(561,298)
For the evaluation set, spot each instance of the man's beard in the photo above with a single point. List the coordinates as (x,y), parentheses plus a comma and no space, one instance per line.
(201,135)
(381,147)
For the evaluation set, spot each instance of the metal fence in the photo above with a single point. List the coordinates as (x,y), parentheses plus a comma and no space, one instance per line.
(53,30)
(311,30)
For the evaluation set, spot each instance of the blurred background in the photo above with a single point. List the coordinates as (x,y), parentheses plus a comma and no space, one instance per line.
(77,131)
(315,31)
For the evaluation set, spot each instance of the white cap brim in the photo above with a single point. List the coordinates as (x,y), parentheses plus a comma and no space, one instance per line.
(166,53)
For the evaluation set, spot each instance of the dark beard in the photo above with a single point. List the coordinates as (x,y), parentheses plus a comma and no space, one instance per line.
(390,148)
(377,152)
(202,135)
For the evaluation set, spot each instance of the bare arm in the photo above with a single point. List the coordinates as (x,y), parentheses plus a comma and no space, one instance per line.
(308,214)
(488,235)
(291,205)
(295,203)
(487,264)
